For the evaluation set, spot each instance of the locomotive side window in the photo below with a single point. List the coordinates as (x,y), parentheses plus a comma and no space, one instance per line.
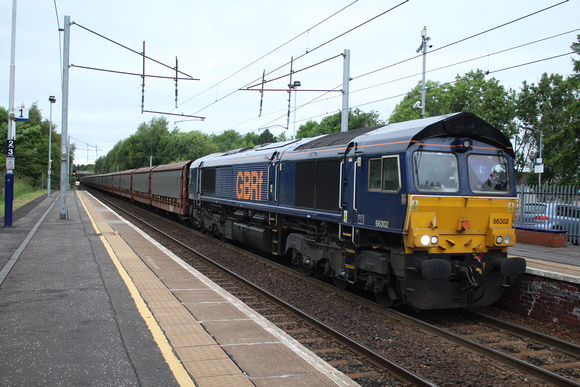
(488,173)
(384,174)
(435,171)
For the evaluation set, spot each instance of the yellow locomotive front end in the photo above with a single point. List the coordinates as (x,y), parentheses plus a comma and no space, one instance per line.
(459,225)
(456,250)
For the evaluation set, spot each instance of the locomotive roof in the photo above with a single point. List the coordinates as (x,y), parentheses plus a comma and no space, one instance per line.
(399,136)
(395,137)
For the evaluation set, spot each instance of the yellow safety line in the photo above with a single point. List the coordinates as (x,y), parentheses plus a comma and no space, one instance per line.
(166,349)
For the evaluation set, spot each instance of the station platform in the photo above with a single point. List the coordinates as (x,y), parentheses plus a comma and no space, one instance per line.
(559,263)
(93,300)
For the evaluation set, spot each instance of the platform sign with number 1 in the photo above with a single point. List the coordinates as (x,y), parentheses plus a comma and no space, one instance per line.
(21,115)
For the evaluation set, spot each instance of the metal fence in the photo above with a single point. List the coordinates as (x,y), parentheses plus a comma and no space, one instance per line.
(550,208)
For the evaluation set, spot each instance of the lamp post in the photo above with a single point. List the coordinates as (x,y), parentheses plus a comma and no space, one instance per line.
(539,166)
(295,85)
(292,86)
(52,100)
(423,48)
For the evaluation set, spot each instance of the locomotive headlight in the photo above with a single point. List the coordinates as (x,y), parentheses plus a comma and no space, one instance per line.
(463,144)
(498,239)
(426,240)
(507,240)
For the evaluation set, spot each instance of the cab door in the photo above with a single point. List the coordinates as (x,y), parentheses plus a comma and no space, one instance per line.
(350,179)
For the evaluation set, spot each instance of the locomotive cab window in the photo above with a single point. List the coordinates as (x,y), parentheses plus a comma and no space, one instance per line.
(488,173)
(384,174)
(435,171)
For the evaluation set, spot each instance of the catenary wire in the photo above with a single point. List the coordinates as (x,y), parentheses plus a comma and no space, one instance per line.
(455,81)
(411,58)
(414,75)
(301,56)
(470,60)
(402,94)
(133,51)
(462,40)
(59,43)
(270,52)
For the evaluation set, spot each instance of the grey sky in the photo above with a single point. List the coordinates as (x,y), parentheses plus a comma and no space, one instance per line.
(213,40)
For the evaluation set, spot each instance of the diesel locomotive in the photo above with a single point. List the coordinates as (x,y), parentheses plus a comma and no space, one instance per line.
(418,212)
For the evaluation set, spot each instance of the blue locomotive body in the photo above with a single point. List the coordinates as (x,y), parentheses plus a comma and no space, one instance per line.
(419,212)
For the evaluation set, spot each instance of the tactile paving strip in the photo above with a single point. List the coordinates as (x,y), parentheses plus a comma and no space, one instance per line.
(201,356)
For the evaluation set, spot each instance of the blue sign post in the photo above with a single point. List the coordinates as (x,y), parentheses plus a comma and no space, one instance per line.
(8,199)
(9,180)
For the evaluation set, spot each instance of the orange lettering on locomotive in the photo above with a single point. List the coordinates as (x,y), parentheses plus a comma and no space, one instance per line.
(254,186)
(240,185)
(247,192)
(249,185)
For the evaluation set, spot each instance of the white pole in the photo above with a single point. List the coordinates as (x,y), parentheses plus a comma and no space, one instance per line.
(11,134)
(9,177)
(64,121)
(345,91)
(424,40)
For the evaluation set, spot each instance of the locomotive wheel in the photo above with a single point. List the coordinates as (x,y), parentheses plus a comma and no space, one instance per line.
(384,299)
(308,270)
(340,283)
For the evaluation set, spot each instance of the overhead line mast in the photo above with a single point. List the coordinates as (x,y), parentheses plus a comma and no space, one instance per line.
(143,75)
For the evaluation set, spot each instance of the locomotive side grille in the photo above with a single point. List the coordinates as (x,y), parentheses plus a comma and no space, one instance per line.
(318,184)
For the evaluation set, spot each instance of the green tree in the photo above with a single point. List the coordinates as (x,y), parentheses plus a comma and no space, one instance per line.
(486,99)
(576,63)
(309,129)
(32,147)
(186,146)
(228,140)
(31,153)
(147,141)
(552,108)
(136,150)
(437,102)
(471,92)
(266,137)
(331,124)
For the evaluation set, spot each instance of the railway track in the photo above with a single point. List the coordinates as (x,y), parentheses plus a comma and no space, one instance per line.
(554,361)
(354,359)
(551,359)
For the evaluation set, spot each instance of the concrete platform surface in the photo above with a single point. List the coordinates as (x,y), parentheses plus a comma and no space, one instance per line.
(93,300)
(66,316)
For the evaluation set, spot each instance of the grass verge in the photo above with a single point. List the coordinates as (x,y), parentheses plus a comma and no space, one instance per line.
(23,193)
